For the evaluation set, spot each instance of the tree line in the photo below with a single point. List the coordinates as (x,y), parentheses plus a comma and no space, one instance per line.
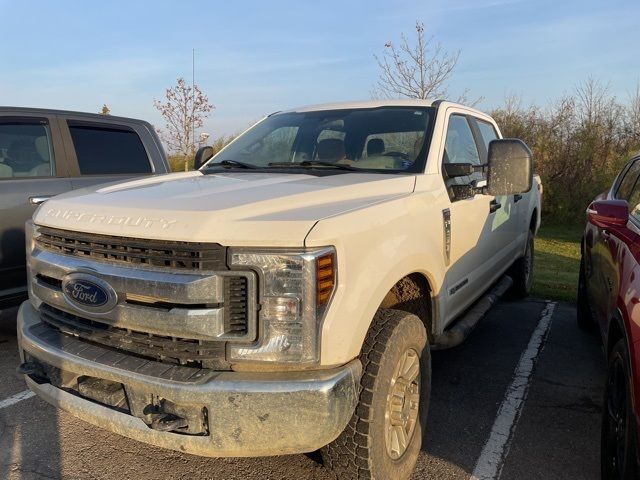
(579,143)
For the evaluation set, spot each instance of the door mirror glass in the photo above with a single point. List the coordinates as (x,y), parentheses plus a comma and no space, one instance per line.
(202,155)
(608,213)
(510,167)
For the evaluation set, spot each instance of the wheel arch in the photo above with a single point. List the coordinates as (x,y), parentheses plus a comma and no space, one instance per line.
(533,223)
(412,294)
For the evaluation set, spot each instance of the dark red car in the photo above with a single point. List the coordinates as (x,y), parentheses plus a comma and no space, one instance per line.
(609,297)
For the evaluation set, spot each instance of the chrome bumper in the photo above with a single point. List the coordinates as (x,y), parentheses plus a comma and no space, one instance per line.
(249,414)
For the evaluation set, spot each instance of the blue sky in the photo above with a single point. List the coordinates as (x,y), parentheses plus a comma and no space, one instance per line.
(253,58)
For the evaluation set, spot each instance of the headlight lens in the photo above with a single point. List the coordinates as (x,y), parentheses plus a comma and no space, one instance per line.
(296,287)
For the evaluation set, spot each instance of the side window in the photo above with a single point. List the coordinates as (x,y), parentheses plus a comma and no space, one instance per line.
(460,146)
(625,187)
(634,203)
(103,150)
(25,148)
(487,131)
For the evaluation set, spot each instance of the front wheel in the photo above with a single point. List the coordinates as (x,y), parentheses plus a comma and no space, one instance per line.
(618,444)
(383,439)
(522,271)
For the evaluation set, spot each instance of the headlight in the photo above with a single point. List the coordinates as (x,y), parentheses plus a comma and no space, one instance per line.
(295,290)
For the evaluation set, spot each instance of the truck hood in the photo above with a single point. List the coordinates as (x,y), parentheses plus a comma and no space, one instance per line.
(234,208)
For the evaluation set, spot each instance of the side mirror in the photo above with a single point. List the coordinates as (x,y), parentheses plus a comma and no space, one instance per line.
(510,167)
(608,213)
(202,155)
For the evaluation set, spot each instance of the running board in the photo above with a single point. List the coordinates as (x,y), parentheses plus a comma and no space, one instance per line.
(461,329)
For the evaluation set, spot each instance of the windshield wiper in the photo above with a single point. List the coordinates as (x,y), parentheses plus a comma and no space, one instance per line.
(232,163)
(313,163)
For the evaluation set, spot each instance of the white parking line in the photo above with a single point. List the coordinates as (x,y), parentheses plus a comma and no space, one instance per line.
(18,397)
(494,453)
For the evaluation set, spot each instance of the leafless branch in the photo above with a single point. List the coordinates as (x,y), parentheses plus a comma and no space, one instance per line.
(418,69)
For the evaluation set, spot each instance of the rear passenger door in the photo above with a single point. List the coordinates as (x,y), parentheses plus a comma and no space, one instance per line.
(33,168)
(105,151)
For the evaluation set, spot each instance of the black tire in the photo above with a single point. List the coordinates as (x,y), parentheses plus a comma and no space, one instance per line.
(618,443)
(583,310)
(522,271)
(364,449)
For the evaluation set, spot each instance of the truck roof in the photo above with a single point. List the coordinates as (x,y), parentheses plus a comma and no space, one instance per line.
(405,102)
(51,111)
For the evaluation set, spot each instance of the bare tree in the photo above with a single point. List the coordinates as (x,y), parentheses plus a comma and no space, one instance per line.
(593,99)
(416,69)
(184,110)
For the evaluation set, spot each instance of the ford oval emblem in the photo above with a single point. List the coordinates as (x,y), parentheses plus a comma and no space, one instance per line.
(89,293)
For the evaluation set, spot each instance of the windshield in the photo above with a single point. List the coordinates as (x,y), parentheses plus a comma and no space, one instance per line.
(388,138)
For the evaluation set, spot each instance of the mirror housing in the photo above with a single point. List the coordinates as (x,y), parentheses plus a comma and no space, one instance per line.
(460,169)
(608,213)
(202,156)
(510,167)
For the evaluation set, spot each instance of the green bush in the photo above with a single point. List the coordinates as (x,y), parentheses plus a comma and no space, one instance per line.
(579,145)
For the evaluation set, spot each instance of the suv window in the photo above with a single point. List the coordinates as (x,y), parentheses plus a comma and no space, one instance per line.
(634,203)
(105,150)
(460,146)
(25,148)
(625,187)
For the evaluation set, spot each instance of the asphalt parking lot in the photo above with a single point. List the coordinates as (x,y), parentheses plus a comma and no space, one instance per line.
(520,399)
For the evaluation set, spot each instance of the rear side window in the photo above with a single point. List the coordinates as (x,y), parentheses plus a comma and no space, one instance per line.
(625,187)
(108,150)
(25,148)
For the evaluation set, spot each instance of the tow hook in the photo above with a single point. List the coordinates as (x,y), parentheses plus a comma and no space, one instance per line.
(27,368)
(34,370)
(30,368)
(164,422)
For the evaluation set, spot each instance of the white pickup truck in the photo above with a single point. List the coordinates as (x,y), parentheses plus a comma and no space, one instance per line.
(285,297)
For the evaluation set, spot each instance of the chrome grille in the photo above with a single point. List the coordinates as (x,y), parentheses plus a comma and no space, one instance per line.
(156,253)
(172,350)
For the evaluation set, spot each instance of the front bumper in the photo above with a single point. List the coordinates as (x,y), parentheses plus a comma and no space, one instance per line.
(248,414)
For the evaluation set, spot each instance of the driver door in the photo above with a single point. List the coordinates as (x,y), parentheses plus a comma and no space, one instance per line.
(474,243)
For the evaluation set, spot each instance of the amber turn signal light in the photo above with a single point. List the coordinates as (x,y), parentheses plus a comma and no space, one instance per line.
(325,278)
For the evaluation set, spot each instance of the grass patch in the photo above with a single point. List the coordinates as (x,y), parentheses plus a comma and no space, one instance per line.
(557,262)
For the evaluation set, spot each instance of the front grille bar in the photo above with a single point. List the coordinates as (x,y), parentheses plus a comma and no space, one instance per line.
(165,349)
(155,253)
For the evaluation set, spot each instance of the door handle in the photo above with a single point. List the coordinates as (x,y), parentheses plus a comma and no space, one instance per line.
(494,205)
(39,199)
(517,197)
